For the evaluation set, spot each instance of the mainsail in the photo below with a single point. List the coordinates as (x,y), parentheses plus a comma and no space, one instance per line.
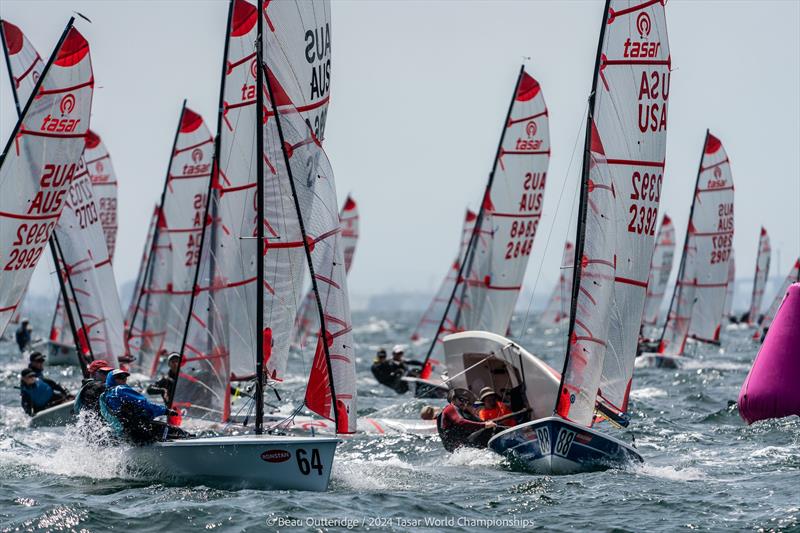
(557,310)
(140,275)
(769,315)
(41,157)
(307,323)
(247,289)
(104,179)
(699,297)
(490,278)
(620,192)
(163,302)
(660,268)
(427,327)
(730,292)
(760,277)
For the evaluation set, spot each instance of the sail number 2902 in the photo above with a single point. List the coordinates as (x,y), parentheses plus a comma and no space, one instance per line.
(306,464)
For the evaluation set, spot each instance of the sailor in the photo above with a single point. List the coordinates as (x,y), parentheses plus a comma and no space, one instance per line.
(166,384)
(399,367)
(381,369)
(93,386)
(24,334)
(493,408)
(131,415)
(459,424)
(36,363)
(38,393)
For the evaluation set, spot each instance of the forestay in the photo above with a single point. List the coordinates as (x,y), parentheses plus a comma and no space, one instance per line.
(760,277)
(509,216)
(769,314)
(712,228)
(660,268)
(557,310)
(621,188)
(307,321)
(426,329)
(39,161)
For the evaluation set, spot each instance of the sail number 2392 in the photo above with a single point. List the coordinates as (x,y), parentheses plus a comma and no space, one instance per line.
(646,188)
(306,464)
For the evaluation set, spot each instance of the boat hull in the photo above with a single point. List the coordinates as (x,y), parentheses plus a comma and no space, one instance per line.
(364,425)
(554,446)
(61,354)
(657,360)
(59,415)
(263,461)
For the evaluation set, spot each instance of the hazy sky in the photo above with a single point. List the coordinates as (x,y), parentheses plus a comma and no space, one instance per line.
(419,94)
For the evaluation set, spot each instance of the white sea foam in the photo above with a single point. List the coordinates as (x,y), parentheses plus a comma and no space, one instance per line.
(647,393)
(473,457)
(669,472)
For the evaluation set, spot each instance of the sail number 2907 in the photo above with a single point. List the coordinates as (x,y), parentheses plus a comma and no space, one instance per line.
(305,464)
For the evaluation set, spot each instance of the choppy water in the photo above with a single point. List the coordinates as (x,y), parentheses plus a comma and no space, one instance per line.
(704,468)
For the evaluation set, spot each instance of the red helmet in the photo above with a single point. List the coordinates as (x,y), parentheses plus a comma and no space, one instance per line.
(100,364)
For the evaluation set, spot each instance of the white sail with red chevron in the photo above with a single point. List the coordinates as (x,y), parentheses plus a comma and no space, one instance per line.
(760,277)
(731,289)
(40,160)
(769,314)
(140,274)
(660,268)
(620,195)
(104,179)
(557,310)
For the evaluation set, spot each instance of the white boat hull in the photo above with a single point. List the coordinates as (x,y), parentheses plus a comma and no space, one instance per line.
(554,446)
(59,415)
(61,354)
(256,461)
(658,360)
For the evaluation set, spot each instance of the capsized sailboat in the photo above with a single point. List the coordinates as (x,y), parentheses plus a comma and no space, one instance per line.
(770,389)
(760,277)
(620,187)
(557,310)
(490,277)
(262,230)
(161,307)
(769,314)
(42,155)
(699,297)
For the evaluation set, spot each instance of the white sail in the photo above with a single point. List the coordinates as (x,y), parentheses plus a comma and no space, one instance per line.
(660,268)
(769,314)
(104,179)
(39,161)
(679,317)
(712,229)
(731,289)
(623,174)
(24,62)
(512,208)
(557,310)
(307,321)
(428,326)
(140,275)
(760,277)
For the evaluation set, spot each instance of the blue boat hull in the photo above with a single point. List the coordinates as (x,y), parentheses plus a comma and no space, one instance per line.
(556,446)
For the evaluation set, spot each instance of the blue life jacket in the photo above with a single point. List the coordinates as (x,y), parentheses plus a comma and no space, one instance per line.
(40,393)
(117,395)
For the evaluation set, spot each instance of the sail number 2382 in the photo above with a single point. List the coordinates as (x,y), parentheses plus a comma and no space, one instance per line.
(306,464)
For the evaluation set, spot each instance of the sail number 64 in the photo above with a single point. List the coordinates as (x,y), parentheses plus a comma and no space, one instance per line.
(305,465)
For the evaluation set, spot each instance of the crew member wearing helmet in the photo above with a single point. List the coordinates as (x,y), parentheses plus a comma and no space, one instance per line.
(131,415)
(166,383)
(494,408)
(93,386)
(459,424)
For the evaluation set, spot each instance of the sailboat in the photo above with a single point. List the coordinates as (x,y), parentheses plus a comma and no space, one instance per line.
(43,154)
(769,315)
(760,277)
(770,389)
(161,306)
(730,292)
(699,296)
(660,269)
(620,187)
(557,310)
(490,277)
(262,230)
(306,326)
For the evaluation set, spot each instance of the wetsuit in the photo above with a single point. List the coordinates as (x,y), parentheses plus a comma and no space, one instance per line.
(43,394)
(383,373)
(163,385)
(23,337)
(458,429)
(131,415)
(89,395)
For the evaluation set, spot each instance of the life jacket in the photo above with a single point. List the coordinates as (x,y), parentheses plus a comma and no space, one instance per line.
(40,393)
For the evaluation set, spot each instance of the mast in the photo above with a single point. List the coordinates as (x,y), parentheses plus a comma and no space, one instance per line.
(260,78)
(469,253)
(55,248)
(214,170)
(150,262)
(682,266)
(580,231)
